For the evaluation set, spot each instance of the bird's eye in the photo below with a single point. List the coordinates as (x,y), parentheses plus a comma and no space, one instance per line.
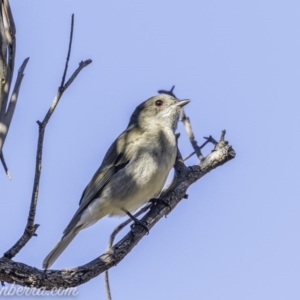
(159,102)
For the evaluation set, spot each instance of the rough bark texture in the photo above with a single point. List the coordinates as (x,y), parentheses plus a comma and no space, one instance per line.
(24,275)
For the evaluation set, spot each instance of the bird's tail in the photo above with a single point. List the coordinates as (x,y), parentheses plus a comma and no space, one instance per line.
(59,248)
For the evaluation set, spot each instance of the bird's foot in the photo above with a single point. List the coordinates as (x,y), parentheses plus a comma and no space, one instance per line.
(155,201)
(142,224)
(136,221)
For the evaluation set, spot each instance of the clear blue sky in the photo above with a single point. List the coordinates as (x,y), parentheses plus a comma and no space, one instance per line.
(237,236)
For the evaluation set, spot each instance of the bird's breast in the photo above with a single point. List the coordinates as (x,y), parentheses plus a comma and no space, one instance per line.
(144,176)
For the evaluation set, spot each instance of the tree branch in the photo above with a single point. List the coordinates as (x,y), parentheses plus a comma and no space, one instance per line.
(14,97)
(7,60)
(189,131)
(22,274)
(111,241)
(69,53)
(31,227)
(4,165)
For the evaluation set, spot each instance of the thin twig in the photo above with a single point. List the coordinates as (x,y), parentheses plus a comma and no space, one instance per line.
(69,53)
(7,118)
(111,241)
(222,138)
(170,92)
(82,65)
(14,97)
(190,155)
(209,139)
(188,127)
(107,286)
(5,166)
(31,228)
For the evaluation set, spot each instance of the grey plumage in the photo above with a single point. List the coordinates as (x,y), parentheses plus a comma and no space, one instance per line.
(133,170)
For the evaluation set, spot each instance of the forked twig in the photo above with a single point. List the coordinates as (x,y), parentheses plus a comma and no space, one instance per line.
(31,227)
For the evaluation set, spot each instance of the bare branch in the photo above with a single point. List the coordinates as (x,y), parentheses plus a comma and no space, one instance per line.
(209,139)
(7,59)
(5,166)
(82,65)
(189,131)
(25,275)
(14,97)
(111,241)
(31,228)
(170,92)
(69,53)
(107,286)
(189,156)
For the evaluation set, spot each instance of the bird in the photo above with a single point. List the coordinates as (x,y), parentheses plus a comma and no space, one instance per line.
(133,171)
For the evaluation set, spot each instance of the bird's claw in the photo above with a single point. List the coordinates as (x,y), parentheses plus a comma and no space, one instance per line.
(154,201)
(140,223)
(136,221)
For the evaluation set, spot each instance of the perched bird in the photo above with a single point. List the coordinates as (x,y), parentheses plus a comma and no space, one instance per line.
(133,171)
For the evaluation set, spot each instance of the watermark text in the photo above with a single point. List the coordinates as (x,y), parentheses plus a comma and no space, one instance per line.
(16,290)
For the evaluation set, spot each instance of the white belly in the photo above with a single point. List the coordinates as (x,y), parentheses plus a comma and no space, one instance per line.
(146,183)
(134,185)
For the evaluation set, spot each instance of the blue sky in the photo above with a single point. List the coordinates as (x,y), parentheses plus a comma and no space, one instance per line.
(237,235)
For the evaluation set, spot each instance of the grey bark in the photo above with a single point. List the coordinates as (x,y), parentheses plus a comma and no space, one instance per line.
(24,275)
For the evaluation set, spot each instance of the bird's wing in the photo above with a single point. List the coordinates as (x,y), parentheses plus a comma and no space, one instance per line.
(115,159)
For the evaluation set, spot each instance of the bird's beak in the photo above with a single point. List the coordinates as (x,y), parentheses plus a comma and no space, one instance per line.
(182,103)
